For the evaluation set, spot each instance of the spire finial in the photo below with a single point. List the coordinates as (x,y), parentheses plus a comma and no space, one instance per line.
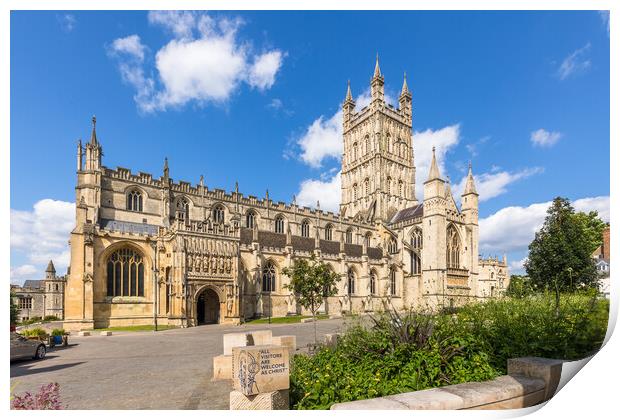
(93,136)
(349,96)
(434,172)
(166,170)
(470,185)
(377,69)
(405,88)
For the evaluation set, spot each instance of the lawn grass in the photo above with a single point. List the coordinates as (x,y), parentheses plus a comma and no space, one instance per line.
(284,319)
(137,328)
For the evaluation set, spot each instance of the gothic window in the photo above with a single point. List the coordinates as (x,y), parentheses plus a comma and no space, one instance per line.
(389,185)
(366,187)
(134,200)
(55,287)
(392,281)
(388,143)
(373,283)
(305,229)
(367,144)
(416,244)
(279,224)
(218,214)
(392,246)
(453,248)
(250,219)
(328,232)
(269,278)
(400,188)
(125,275)
(182,209)
(349,236)
(354,151)
(351,282)
(354,192)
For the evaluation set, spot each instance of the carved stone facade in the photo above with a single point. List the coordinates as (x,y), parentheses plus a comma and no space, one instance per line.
(147,248)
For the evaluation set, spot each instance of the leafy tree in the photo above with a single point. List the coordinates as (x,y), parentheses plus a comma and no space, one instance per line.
(560,257)
(519,286)
(311,281)
(14,310)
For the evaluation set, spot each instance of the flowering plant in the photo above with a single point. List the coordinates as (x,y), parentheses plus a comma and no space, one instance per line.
(48,398)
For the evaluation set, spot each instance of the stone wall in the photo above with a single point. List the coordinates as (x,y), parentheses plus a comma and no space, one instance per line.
(530,381)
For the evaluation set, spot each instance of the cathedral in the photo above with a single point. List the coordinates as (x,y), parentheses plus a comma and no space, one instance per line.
(151,249)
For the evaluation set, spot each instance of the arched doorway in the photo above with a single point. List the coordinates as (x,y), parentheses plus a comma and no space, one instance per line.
(208,307)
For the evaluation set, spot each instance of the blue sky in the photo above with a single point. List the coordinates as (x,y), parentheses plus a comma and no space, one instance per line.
(254,97)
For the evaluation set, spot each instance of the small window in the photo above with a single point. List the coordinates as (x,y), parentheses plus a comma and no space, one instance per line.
(366,187)
(328,232)
(279,224)
(269,278)
(351,282)
(24,303)
(354,192)
(392,246)
(134,200)
(367,239)
(392,282)
(305,229)
(400,188)
(373,283)
(182,209)
(250,219)
(389,185)
(349,236)
(218,214)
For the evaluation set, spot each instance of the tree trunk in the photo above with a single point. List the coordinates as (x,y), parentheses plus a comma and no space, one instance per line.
(314,322)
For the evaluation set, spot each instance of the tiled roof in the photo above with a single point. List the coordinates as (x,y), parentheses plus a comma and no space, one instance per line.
(303,244)
(33,284)
(408,213)
(330,247)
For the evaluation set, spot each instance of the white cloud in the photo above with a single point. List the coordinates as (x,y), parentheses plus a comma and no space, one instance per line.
(604,14)
(67,22)
(23,272)
(512,228)
(492,184)
(517,266)
(263,71)
(443,140)
(205,62)
(130,45)
(326,191)
(544,138)
(576,62)
(323,138)
(42,234)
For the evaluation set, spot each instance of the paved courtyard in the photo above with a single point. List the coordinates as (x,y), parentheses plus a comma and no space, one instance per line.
(145,370)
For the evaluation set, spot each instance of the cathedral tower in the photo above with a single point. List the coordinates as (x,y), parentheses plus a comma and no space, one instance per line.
(378,175)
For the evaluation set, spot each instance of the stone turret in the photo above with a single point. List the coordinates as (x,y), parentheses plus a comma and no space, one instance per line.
(376,85)
(404,101)
(434,228)
(50,271)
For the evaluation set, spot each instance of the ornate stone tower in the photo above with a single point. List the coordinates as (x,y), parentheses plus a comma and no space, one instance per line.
(434,227)
(469,209)
(54,288)
(378,175)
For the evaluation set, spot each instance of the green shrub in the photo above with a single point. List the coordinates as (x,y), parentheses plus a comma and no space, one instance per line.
(34,332)
(531,326)
(418,351)
(412,353)
(50,318)
(58,331)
